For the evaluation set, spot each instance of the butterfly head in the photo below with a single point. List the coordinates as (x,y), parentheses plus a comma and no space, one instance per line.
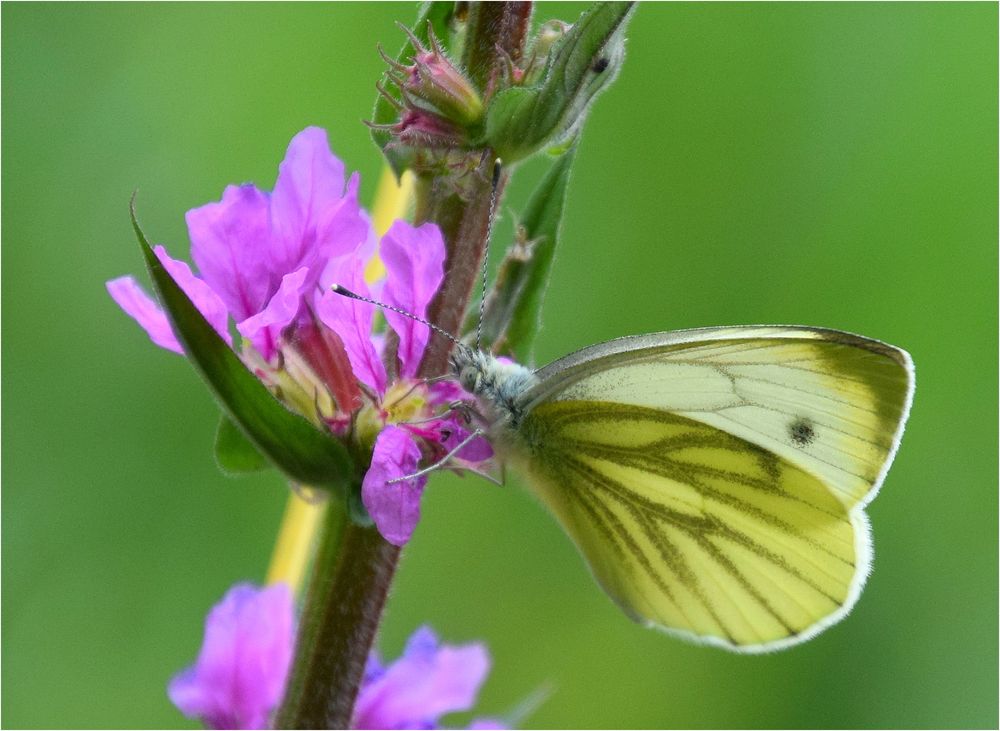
(469,367)
(497,383)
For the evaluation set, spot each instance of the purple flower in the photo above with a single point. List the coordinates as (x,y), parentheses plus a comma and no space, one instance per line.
(261,255)
(267,261)
(240,674)
(239,678)
(427,682)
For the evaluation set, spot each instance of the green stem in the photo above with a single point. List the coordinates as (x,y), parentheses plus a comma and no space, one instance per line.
(464,219)
(494,27)
(353,569)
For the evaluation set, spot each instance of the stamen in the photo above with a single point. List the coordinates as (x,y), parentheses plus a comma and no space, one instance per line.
(410,390)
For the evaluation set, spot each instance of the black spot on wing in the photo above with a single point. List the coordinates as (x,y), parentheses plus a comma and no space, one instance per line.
(801,431)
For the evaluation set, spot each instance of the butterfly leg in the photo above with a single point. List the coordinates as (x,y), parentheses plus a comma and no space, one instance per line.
(459,407)
(440,463)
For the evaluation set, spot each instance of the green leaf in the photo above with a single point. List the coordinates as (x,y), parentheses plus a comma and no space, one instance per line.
(522,120)
(235,454)
(439,15)
(513,312)
(293,445)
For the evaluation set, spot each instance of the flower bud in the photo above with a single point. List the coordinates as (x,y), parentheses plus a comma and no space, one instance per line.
(550,33)
(419,128)
(434,80)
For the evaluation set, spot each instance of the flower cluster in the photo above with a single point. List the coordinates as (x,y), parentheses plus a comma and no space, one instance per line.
(241,671)
(266,262)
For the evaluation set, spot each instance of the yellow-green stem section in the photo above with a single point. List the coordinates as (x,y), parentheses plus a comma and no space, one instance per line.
(303,516)
(295,539)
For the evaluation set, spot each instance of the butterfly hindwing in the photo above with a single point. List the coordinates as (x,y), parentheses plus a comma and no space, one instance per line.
(714,480)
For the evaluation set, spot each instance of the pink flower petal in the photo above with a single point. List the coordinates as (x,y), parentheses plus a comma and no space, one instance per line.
(487,724)
(136,303)
(201,295)
(230,243)
(312,216)
(395,508)
(264,328)
(352,320)
(346,230)
(243,665)
(444,392)
(477,450)
(414,263)
(428,681)
(140,307)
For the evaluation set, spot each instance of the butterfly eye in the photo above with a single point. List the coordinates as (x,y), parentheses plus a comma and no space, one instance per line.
(469,378)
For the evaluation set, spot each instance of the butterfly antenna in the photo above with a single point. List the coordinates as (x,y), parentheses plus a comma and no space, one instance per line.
(344,292)
(486,254)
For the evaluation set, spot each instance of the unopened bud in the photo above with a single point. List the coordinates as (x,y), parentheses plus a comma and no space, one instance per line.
(550,33)
(420,128)
(436,81)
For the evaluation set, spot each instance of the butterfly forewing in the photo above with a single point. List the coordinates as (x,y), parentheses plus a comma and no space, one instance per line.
(714,479)
(828,401)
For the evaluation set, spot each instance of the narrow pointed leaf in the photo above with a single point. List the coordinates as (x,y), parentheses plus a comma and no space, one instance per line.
(522,120)
(234,453)
(292,444)
(439,15)
(513,313)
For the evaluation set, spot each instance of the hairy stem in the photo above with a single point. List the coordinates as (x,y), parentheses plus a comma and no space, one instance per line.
(464,219)
(353,570)
(495,28)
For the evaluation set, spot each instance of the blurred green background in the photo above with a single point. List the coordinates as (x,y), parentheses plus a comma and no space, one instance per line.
(832,165)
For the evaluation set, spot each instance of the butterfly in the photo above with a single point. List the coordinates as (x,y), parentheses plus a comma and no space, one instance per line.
(713,479)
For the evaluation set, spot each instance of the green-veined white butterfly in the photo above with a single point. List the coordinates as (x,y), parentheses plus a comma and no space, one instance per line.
(714,479)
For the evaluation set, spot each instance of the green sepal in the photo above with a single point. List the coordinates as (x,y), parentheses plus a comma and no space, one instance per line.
(234,453)
(524,119)
(293,445)
(356,509)
(513,312)
(439,15)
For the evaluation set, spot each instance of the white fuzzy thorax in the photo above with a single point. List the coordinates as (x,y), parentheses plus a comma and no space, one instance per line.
(498,385)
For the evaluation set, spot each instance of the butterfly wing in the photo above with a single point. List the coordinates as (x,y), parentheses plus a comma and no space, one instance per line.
(715,479)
